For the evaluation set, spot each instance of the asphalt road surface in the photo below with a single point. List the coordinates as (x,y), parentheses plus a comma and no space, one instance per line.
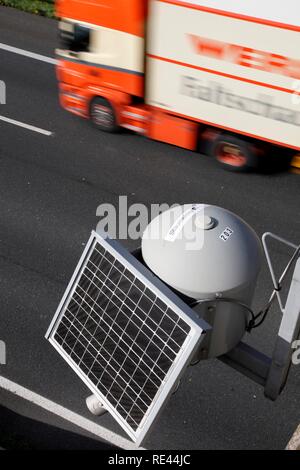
(50,187)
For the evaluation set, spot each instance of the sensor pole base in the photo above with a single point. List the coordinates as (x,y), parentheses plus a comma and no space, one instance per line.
(95,406)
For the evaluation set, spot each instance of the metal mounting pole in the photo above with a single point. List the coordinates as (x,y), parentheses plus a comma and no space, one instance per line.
(288,332)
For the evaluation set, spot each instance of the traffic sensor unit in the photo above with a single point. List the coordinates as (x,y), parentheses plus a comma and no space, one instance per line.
(129,324)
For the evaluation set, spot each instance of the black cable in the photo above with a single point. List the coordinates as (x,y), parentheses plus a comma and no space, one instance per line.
(263,313)
(228,300)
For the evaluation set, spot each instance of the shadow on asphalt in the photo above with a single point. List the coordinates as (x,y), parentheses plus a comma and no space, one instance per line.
(20,433)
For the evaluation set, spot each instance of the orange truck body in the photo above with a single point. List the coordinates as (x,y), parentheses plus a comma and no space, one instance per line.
(175,69)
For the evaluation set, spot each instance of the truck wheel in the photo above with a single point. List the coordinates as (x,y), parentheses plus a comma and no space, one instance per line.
(103,115)
(234,154)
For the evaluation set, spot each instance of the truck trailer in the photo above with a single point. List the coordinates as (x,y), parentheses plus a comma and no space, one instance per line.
(215,74)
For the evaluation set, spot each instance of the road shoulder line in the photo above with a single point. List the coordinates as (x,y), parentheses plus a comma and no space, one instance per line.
(26,126)
(67,415)
(31,55)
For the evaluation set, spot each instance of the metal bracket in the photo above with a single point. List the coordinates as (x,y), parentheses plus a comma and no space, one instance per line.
(288,333)
(272,372)
(277,283)
(249,362)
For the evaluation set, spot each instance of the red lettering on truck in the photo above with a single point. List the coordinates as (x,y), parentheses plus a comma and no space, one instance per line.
(245,56)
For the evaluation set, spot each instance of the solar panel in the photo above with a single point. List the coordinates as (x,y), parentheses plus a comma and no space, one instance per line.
(125,334)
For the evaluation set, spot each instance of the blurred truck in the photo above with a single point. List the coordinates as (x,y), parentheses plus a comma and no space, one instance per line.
(216,74)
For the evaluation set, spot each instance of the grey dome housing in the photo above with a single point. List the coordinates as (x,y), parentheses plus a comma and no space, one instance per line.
(206,252)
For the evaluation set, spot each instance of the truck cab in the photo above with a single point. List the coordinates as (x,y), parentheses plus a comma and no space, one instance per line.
(101,51)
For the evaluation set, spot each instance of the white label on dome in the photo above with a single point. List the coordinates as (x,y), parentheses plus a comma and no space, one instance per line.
(226,234)
(181,221)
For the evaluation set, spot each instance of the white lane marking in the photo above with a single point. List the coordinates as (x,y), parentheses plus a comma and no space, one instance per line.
(35,56)
(67,415)
(26,126)
(31,55)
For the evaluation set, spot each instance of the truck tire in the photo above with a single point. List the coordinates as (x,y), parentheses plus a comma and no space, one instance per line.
(234,154)
(103,115)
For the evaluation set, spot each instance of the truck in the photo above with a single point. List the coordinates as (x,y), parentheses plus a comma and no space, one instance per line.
(218,75)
